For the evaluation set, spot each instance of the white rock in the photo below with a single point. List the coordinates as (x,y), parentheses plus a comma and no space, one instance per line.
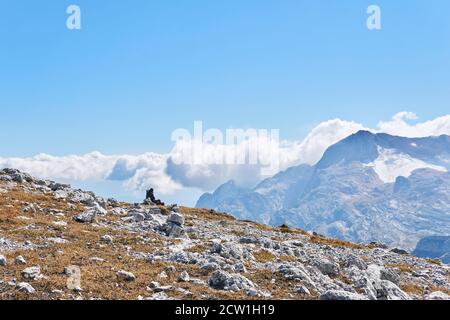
(125,276)
(31,273)
(184,277)
(176,218)
(438,295)
(86,217)
(107,238)
(60,223)
(20,260)
(25,287)
(222,280)
(2,260)
(137,216)
(302,290)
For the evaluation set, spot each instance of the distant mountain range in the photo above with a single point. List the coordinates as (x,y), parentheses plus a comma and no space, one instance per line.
(437,247)
(367,187)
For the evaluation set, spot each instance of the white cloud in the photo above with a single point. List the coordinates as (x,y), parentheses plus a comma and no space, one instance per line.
(138,172)
(399,126)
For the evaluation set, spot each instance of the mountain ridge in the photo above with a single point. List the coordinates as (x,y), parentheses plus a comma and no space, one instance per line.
(364,180)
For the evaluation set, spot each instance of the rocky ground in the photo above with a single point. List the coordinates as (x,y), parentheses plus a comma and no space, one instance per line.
(50,233)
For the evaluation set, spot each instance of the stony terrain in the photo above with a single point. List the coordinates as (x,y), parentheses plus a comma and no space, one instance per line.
(142,251)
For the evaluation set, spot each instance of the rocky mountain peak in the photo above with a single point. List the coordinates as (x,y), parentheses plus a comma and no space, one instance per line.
(367,187)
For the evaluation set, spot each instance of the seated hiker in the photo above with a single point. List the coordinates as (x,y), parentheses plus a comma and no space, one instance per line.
(150,196)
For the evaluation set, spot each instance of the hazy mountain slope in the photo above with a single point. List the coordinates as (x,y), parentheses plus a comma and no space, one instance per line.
(437,247)
(367,187)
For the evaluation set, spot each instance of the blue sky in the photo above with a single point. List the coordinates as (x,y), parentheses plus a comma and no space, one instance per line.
(140,69)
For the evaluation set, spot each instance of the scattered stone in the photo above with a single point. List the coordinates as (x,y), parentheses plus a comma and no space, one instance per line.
(125,276)
(57,240)
(153,285)
(176,218)
(25,287)
(222,280)
(170,269)
(184,277)
(2,260)
(353,260)
(137,216)
(159,296)
(31,273)
(20,260)
(210,266)
(86,217)
(29,209)
(60,223)
(438,295)
(107,239)
(390,275)
(240,268)
(156,287)
(387,290)
(174,231)
(302,290)
(328,268)
(400,251)
(293,272)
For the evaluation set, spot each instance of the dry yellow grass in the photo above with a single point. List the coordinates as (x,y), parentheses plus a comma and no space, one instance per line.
(264,256)
(412,288)
(336,243)
(403,267)
(434,261)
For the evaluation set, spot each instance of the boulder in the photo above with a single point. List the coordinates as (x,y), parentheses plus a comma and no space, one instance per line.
(390,275)
(174,231)
(86,217)
(400,251)
(353,260)
(20,260)
(176,218)
(438,295)
(302,290)
(210,266)
(294,273)
(222,280)
(328,268)
(126,276)
(25,287)
(2,260)
(184,277)
(107,238)
(31,272)
(389,291)
(137,216)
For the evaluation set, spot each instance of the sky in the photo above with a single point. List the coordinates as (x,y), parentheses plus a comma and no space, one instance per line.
(137,70)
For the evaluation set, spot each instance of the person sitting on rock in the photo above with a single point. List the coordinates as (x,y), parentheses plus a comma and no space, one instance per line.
(150,196)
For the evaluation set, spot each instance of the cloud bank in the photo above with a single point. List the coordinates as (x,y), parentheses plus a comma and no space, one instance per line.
(161,171)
